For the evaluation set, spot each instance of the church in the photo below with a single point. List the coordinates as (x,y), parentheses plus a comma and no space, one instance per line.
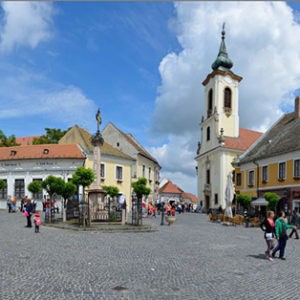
(222,140)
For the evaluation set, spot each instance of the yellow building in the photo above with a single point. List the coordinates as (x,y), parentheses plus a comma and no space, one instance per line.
(272,164)
(115,165)
(145,164)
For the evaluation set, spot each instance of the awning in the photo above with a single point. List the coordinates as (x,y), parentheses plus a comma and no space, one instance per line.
(260,202)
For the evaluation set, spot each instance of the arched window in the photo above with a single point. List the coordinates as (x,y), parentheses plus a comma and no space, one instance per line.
(208,133)
(227,98)
(210,103)
(227,101)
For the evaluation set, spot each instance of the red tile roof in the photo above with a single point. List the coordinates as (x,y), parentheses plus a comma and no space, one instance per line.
(41,151)
(170,188)
(190,196)
(244,141)
(25,140)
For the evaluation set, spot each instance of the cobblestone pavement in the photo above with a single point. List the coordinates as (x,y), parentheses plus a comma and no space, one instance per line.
(192,259)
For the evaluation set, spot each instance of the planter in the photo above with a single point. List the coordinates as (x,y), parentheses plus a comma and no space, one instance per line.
(170,220)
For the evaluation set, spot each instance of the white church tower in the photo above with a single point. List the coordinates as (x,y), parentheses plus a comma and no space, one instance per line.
(219,130)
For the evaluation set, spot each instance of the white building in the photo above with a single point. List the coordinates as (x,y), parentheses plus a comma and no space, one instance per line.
(221,138)
(21,165)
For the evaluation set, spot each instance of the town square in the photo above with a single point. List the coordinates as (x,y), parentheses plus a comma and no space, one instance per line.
(149,150)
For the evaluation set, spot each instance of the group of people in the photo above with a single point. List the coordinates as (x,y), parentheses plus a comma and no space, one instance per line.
(276,235)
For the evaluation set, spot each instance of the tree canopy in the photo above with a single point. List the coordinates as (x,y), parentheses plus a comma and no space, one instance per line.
(244,200)
(53,185)
(273,200)
(2,184)
(140,188)
(52,136)
(34,187)
(7,141)
(83,176)
(112,191)
(69,190)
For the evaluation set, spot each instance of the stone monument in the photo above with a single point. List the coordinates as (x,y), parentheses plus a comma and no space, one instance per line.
(95,193)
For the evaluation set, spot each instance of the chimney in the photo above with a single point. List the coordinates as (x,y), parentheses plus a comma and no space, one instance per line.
(297,107)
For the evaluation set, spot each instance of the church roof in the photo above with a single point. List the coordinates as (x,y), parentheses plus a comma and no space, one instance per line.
(170,188)
(281,138)
(246,138)
(222,62)
(41,151)
(190,196)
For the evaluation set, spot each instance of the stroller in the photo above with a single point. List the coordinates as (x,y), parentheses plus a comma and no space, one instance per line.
(13,207)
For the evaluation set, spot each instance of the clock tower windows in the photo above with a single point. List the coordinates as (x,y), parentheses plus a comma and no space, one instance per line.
(210,103)
(227,101)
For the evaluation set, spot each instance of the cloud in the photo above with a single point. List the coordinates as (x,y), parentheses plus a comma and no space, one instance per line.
(37,95)
(262,39)
(25,24)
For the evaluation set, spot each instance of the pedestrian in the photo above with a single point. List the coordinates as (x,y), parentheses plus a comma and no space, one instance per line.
(268,226)
(294,221)
(281,234)
(9,203)
(27,212)
(37,222)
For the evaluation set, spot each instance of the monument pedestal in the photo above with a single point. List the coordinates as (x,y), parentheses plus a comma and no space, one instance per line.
(97,211)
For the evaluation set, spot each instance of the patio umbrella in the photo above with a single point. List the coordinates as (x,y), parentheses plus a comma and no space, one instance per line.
(229,193)
(260,202)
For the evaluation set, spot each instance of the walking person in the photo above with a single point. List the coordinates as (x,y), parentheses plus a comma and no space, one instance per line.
(268,226)
(28,211)
(281,234)
(294,222)
(9,203)
(37,222)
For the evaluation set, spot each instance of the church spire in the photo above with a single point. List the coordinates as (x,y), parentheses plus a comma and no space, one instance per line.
(222,62)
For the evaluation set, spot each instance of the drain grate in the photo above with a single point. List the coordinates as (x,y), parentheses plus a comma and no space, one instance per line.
(120,288)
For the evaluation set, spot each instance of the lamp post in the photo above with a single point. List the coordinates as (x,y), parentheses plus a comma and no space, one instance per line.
(162,213)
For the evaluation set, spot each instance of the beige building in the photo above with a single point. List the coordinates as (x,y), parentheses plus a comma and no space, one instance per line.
(116,166)
(145,165)
(222,141)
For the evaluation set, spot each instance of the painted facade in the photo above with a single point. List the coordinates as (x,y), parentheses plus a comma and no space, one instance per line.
(273,163)
(145,165)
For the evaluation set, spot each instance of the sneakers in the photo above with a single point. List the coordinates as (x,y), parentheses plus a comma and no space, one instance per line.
(267,254)
(282,258)
(270,258)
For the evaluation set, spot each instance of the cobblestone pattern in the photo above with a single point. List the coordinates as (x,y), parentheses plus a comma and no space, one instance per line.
(192,259)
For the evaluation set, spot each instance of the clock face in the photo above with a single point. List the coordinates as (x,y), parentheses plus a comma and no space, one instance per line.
(228,79)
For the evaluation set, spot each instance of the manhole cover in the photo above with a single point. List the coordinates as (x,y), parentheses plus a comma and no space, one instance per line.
(119,288)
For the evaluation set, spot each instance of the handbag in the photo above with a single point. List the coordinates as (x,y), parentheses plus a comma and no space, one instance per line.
(269,236)
(25,213)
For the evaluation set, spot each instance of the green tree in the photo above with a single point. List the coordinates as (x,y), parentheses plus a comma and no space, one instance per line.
(7,141)
(34,187)
(52,136)
(111,191)
(244,200)
(2,184)
(53,185)
(140,188)
(273,200)
(68,191)
(83,176)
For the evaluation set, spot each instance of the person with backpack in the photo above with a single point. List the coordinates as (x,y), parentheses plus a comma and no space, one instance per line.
(281,234)
(268,226)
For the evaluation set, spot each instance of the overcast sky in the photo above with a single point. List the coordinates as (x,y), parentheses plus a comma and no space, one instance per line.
(142,64)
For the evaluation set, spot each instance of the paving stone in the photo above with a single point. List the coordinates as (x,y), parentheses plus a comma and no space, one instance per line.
(192,259)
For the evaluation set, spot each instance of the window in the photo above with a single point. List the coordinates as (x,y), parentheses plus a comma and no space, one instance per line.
(216,199)
(19,188)
(119,173)
(297,168)
(39,195)
(102,171)
(251,178)
(227,98)
(144,170)
(210,103)
(281,173)
(265,173)
(149,173)
(118,144)
(208,176)
(208,133)
(238,179)
(3,192)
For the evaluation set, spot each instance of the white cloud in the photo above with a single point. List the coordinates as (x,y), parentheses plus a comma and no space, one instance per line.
(25,24)
(262,39)
(36,95)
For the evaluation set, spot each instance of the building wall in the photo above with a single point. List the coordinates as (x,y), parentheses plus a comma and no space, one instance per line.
(283,187)
(35,169)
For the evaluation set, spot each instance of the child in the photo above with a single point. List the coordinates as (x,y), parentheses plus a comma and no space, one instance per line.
(37,222)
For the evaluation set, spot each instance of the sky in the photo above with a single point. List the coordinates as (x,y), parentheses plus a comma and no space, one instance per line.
(142,64)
